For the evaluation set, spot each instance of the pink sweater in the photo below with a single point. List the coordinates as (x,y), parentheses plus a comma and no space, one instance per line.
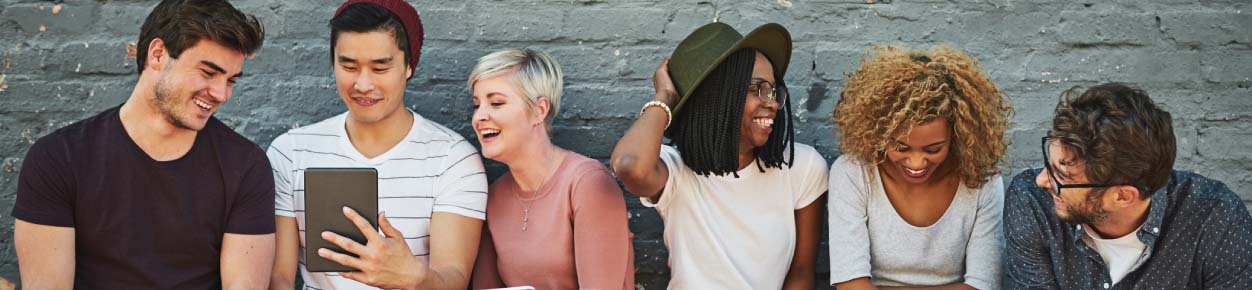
(576,237)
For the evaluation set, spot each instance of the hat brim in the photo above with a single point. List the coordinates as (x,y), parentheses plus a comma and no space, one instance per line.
(771,39)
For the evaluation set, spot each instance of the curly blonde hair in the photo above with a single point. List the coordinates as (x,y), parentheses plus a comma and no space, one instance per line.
(897,88)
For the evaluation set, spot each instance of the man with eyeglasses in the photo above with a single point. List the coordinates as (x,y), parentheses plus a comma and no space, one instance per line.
(1108,211)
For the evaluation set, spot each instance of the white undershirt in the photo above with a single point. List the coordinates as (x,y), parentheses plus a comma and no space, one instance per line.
(1121,255)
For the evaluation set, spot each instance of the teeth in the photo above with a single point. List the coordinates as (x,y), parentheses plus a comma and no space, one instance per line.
(202,104)
(489,131)
(763,122)
(915,172)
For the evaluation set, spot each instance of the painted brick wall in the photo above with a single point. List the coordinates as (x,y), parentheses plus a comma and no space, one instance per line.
(61,61)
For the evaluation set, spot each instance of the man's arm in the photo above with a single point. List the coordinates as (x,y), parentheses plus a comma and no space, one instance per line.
(808,232)
(386,261)
(286,253)
(246,260)
(45,255)
(453,247)
(1028,262)
(1228,259)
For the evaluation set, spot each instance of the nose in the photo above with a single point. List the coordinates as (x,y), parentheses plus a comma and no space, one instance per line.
(1042,180)
(480,114)
(220,92)
(363,83)
(915,161)
(772,104)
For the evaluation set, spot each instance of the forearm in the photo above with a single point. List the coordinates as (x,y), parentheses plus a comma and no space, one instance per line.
(443,278)
(798,280)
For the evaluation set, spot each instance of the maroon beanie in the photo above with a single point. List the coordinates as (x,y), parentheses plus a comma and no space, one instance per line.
(408,17)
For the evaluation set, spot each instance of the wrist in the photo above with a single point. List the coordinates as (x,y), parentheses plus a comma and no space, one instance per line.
(669,117)
(667,99)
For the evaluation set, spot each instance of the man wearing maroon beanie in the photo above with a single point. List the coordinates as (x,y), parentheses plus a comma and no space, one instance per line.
(432,190)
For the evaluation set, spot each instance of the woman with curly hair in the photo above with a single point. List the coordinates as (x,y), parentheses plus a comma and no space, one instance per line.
(915,199)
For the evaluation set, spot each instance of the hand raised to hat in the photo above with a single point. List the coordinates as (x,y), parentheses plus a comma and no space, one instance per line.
(385,261)
(665,91)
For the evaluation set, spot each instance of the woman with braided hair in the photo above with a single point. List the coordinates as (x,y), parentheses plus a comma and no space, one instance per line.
(738,196)
(916,199)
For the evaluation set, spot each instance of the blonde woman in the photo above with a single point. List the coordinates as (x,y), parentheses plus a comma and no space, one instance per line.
(915,199)
(557,220)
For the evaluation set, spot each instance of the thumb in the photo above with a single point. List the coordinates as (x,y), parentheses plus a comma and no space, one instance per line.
(388,230)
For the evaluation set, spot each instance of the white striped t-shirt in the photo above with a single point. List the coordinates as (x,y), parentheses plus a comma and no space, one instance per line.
(432,169)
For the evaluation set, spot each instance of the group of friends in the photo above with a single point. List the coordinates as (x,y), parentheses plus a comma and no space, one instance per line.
(158,194)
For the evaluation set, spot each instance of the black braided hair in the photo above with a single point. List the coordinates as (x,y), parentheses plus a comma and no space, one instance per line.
(706,131)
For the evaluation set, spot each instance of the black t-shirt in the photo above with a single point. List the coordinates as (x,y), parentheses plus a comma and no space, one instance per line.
(141,223)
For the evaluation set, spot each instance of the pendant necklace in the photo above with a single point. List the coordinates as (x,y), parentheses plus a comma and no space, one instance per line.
(527,202)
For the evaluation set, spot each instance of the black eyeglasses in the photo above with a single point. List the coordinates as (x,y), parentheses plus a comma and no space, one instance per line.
(765,91)
(1056,183)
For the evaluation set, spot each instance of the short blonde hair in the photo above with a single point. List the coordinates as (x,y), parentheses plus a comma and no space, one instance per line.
(533,73)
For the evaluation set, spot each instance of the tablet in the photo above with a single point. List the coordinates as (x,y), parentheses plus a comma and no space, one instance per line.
(326,192)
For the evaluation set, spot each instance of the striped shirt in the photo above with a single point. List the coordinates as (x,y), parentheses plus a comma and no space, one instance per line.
(432,169)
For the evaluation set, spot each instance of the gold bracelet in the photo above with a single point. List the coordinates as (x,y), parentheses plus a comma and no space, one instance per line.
(668,116)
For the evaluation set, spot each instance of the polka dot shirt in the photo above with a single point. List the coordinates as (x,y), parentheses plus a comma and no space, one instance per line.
(1198,236)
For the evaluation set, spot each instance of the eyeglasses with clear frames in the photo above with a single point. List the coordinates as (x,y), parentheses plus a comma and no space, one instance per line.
(765,91)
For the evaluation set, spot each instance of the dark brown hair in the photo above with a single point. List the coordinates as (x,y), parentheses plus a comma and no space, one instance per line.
(182,23)
(1121,135)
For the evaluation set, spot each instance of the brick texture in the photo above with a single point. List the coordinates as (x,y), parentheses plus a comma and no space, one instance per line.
(61,61)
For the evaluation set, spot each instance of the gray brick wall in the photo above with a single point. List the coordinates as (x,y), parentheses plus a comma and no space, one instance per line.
(59,65)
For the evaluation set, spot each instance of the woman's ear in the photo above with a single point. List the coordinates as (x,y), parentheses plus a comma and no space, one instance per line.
(541,109)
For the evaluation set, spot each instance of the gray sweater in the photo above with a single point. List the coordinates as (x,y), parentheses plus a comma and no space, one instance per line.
(868,238)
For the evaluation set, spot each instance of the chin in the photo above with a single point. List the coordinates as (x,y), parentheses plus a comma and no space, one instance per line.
(491,154)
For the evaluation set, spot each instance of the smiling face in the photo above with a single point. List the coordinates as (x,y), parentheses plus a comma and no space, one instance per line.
(758,114)
(916,154)
(1073,205)
(502,120)
(193,86)
(370,74)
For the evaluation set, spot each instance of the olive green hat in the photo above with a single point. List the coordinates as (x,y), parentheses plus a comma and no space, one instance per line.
(705,48)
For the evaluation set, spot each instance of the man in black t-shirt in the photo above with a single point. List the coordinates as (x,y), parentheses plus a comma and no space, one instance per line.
(155,193)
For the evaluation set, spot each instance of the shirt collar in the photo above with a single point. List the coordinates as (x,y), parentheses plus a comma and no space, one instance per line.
(1150,230)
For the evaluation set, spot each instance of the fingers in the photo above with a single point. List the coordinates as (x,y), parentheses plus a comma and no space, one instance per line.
(361,224)
(389,231)
(356,276)
(344,242)
(340,258)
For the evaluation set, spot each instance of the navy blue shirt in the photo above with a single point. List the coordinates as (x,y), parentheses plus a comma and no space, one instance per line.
(1198,236)
(141,223)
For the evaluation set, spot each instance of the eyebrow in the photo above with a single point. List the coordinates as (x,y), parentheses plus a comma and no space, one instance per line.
(1061,173)
(931,144)
(385,60)
(218,68)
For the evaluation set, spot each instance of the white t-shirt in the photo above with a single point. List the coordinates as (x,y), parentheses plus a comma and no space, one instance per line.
(432,169)
(735,233)
(1121,255)
(868,238)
